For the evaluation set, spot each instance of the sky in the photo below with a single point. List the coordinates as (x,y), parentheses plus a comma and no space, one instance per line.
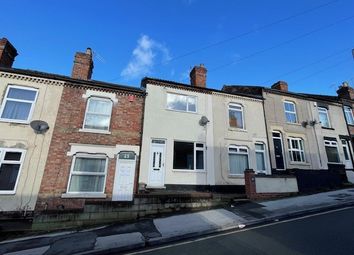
(308,44)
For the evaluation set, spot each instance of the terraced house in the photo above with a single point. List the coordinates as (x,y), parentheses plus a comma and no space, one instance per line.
(305,131)
(28,110)
(95,146)
(196,138)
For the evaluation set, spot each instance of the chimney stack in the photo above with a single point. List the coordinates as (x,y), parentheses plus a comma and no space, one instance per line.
(198,76)
(7,53)
(83,65)
(345,91)
(280,85)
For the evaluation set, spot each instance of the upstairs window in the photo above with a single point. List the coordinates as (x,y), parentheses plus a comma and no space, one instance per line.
(10,165)
(296,149)
(238,159)
(18,104)
(323,115)
(332,151)
(181,103)
(290,112)
(236,119)
(98,114)
(188,156)
(348,111)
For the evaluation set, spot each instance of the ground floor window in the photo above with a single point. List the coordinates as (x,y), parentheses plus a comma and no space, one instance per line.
(296,149)
(260,156)
(188,155)
(332,151)
(238,159)
(10,165)
(88,174)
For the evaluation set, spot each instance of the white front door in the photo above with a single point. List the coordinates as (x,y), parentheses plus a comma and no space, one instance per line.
(347,159)
(157,163)
(123,187)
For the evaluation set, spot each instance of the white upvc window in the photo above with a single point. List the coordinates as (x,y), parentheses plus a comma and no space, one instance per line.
(88,174)
(296,149)
(238,159)
(181,103)
(323,116)
(98,114)
(11,161)
(18,104)
(290,112)
(260,156)
(188,156)
(348,111)
(332,151)
(236,116)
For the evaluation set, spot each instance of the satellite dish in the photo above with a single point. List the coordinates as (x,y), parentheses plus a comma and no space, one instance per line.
(203,121)
(39,126)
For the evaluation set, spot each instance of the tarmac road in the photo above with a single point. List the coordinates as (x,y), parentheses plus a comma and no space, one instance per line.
(325,233)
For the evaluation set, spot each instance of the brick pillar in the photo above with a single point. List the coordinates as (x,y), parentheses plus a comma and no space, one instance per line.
(280,85)
(83,65)
(250,184)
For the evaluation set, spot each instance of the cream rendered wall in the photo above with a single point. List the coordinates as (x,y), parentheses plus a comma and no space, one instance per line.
(13,135)
(338,127)
(276,121)
(224,136)
(170,125)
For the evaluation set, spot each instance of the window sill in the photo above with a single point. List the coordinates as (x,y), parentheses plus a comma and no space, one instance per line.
(188,171)
(328,128)
(95,131)
(237,129)
(11,192)
(15,121)
(83,195)
(294,124)
(181,111)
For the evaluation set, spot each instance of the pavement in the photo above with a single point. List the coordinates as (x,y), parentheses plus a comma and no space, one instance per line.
(123,237)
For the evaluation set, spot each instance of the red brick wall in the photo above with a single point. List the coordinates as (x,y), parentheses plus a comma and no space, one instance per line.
(125,127)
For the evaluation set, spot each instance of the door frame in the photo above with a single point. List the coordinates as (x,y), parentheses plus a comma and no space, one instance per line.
(282,148)
(163,160)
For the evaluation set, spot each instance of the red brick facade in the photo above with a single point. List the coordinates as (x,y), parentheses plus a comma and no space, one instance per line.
(125,128)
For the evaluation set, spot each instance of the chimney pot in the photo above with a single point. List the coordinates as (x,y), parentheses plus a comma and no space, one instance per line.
(198,76)
(280,85)
(345,91)
(8,53)
(83,65)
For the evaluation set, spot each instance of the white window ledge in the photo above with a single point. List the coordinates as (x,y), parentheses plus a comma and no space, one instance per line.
(97,131)
(237,129)
(83,195)
(237,176)
(189,171)
(10,192)
(24,122)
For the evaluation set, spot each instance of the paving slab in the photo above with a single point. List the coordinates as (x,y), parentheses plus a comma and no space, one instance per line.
(34,251)
(194,224)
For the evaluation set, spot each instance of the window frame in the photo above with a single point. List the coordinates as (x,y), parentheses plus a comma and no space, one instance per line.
(348,110)
(333,144)
(94,130)
(264,156)
(187,98)
(88,156)
(195,149)
(238,147)
(20,162)
(324,110)
(5,99)
(286,111)
(346,149)
(242,114)
(300,142)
